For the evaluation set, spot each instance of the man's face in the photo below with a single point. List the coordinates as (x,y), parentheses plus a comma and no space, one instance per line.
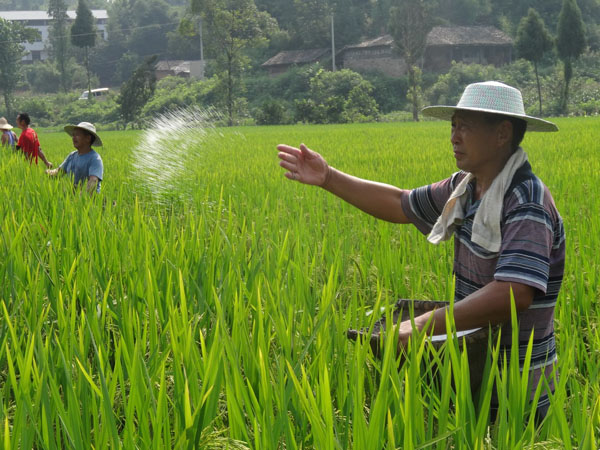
(474,141)
(81,139)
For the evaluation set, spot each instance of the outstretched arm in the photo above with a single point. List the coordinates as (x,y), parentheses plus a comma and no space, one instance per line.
(55,172)
(43,158)
(382,201)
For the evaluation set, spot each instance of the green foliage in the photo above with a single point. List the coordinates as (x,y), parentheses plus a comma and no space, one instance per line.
(410,23)
(106,112)
(83,31)
(272,112)
(175,92)
(533,39)
(337,97)
(59,43)
(360,105)
(389,92)
(42,77)
(37,107)
(570,42)
(83,35)
(137,91)
(235,25)
(449,87)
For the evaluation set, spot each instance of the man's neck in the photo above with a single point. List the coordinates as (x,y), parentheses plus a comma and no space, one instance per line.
(484,180)
(84,151)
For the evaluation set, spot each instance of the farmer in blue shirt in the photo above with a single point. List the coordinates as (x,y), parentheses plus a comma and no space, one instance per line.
(84,164)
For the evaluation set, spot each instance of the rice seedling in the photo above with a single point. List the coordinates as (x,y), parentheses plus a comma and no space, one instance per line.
(214,315)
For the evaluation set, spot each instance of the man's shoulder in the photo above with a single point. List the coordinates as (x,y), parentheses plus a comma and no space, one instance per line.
(93,155)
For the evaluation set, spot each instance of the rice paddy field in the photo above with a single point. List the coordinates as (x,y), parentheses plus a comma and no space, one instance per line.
(201,300)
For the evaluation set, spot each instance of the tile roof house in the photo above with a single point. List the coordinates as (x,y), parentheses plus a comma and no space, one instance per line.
(180,68)
(283,61)
(476,44)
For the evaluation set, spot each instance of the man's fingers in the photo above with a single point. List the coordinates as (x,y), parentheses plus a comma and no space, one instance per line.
(289,150)
(287,157)
(306,151)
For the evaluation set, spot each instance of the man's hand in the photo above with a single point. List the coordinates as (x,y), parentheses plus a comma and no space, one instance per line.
(405,331)
(304,165)
(92,183)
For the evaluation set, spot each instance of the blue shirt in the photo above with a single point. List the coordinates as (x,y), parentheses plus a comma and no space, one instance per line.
(81,167)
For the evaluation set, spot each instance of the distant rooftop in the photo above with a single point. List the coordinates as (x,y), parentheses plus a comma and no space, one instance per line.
(176,66)
(43,15)
(296,57)
(477,35)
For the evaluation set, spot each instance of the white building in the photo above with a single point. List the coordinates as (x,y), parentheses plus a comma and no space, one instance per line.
(41,21)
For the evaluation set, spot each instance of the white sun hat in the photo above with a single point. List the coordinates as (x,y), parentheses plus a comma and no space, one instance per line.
(89,127)
(491,97)
(4,125)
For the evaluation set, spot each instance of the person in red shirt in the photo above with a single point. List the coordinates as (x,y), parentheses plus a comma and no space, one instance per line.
(28,141)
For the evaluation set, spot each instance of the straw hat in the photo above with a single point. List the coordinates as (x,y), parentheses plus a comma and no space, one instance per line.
(4,125)
(495,98)
(86,126)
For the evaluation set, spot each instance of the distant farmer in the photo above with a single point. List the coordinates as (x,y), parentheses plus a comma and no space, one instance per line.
(83,164)
(9,138)
(28,142)
(507,231)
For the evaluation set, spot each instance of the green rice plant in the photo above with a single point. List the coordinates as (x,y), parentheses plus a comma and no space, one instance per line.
(215,315)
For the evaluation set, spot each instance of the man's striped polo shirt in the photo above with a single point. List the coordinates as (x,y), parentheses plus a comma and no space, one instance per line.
(532,253)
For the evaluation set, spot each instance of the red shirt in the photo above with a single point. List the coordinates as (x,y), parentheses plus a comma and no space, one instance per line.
(29,144)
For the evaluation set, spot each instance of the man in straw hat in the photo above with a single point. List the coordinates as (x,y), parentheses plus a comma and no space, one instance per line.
(508,234)
(9,138)
(84,164)
(28,142)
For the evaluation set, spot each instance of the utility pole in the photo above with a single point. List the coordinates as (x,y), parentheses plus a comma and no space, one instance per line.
(332,44)
(201,45)
(201,74)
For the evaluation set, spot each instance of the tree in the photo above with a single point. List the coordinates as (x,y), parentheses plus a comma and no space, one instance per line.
(57,9)
(233,26)
(11,52)
(136,28)
(570,42)
(533,41)
(83,35)
(137,91)
(410,23)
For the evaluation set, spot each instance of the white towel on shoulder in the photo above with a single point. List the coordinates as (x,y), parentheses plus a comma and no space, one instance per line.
(486,224)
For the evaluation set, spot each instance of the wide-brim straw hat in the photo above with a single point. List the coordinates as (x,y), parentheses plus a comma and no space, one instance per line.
(4,125)
(89,127)
(491,97)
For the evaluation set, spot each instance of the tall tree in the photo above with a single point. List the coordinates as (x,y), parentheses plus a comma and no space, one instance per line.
(59,42)
(410,23)
(232,27)
(83,35)
(533,41)
(570,42)
(137,90)
(11,52)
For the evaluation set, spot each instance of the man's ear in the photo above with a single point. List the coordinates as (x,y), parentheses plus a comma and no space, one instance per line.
(505,133)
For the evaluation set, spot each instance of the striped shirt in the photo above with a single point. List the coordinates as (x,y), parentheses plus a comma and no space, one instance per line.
(532,253)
